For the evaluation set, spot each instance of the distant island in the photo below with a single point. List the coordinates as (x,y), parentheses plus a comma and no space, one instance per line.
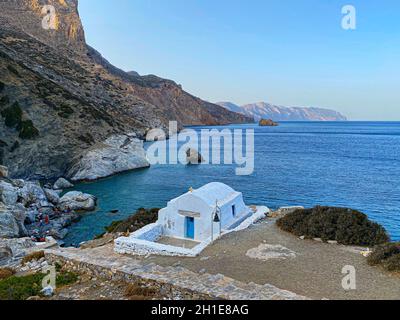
(268,123)
(263,110)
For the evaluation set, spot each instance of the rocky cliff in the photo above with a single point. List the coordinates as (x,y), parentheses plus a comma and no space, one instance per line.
(60,101)
(264,110)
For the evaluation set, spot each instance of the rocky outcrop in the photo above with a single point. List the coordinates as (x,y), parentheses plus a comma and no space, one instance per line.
(268,123)
(78,201)
(13,250)
(116,154)
(64,28)
(61,184)
(8,225)
(27,209)
(264,110)
(59,99)
(52,196)
(194,157)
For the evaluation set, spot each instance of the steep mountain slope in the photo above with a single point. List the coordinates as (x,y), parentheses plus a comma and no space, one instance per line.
(60,100)
(279,113)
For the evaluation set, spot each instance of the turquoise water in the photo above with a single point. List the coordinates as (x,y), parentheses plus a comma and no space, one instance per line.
(350,164)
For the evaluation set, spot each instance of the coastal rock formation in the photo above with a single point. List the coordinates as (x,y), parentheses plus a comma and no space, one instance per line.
(14,249)
(60,99)
(264,110)
(8,193)
(27,209)
(78,201)
(268,123)
(8,225)
(61,184)
(194,157)
(116,154)
(52,196)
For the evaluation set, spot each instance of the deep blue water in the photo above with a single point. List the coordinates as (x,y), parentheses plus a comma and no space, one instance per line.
(349,164)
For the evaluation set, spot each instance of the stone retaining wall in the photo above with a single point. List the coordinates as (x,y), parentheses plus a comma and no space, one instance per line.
(97,271)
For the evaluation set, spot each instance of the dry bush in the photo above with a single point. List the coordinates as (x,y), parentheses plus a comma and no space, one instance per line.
(6,273)
(135,291)
(33,256)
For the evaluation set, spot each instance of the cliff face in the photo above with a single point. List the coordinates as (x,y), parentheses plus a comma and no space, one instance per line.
(60,100)
(280,113)
(60,28)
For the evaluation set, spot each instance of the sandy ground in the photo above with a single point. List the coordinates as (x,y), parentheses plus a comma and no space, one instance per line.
(315,271)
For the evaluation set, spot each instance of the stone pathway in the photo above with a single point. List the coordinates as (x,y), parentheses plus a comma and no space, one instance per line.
(216,286)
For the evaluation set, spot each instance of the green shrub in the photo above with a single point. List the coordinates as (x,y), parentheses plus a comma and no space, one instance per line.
(66,279)
(12,115)
(347,226)
(4,101)
(27,130)
(21,288)
(387,256)
(13,70)
(2,86)
(65,111)
(141,218)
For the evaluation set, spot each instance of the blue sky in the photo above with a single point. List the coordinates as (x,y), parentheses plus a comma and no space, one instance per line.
(288,52)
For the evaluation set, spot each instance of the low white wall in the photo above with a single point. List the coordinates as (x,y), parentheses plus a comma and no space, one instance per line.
(143,242)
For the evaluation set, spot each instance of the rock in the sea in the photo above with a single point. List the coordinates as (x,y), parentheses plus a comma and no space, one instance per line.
(194,157)
(52,196)
(78,201)
(58,234)
(8,193)
(117,154)
(268,123)
(62,184)
(3,172)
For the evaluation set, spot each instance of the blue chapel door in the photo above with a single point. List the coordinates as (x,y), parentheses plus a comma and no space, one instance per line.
(189,228)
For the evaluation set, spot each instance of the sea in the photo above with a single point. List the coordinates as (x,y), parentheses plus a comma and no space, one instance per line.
(344,164)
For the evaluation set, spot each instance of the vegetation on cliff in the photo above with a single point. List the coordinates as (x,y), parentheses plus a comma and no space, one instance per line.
(386,256)
(13,119)
(141,218)
(346,226)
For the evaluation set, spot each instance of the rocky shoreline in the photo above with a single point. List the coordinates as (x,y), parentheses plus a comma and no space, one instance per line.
(31,214)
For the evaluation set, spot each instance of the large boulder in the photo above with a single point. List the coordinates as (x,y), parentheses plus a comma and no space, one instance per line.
(8,225)
(20,213)
(194,157)
(78,201)
(62,184)
(8,193)
(11,249)
(32,193)
(117,154)
(52,196)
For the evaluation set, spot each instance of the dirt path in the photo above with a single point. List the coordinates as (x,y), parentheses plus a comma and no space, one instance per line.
(315,271)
